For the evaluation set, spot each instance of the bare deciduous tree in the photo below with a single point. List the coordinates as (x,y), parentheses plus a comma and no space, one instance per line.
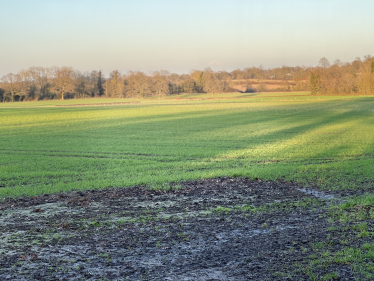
(11,84)
(324,63)
(64,80)
(160,85)
(114,87)
(137,84)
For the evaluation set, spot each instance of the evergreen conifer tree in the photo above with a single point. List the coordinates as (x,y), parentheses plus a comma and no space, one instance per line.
(100,85)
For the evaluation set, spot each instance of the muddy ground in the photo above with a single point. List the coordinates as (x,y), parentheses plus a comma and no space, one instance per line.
(214,229)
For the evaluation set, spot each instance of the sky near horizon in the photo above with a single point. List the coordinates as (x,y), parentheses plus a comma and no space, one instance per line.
(181,35)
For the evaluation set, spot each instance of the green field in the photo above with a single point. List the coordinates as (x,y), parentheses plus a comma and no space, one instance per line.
(321,142)
(317,141)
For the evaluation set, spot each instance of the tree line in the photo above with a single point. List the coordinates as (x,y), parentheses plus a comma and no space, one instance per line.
(41,83)
(356,77)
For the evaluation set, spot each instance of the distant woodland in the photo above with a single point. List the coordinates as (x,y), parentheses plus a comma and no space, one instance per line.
(40,83)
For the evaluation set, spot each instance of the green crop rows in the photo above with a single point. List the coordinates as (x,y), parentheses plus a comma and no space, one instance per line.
(315,141)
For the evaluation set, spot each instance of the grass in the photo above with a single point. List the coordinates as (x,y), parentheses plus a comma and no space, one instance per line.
(352,227)
(47,149)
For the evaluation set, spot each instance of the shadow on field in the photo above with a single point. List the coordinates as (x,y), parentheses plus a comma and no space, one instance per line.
(199,143)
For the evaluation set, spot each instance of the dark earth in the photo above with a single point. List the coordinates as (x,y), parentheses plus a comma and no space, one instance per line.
(213,229)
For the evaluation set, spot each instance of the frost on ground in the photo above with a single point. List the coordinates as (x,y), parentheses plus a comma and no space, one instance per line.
(214,229)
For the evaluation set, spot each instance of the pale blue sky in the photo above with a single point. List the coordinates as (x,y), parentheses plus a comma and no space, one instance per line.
(180,35)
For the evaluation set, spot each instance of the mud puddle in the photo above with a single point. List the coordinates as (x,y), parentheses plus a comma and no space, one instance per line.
(318,194)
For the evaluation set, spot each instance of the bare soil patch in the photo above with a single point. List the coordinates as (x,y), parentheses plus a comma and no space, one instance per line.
(214,229)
